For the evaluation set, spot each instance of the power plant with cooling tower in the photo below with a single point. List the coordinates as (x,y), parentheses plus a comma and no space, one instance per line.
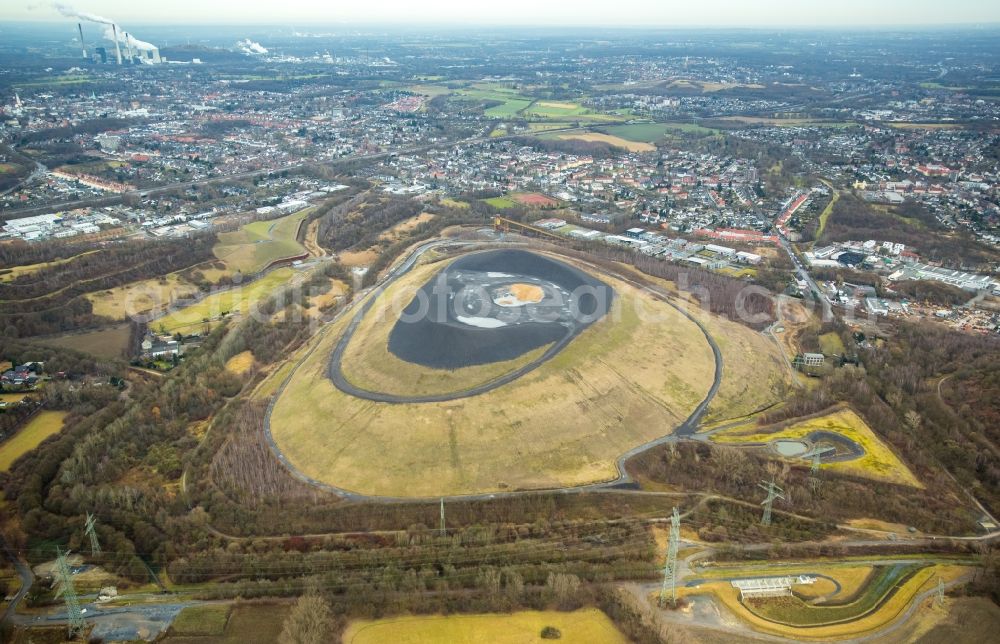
(129,50)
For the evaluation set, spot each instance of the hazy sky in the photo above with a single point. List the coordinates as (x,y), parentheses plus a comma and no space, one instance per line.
(647,13)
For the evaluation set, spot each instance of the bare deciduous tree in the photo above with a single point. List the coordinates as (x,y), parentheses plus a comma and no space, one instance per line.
(310,622)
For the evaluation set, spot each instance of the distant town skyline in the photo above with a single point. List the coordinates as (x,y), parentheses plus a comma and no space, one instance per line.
(624,13)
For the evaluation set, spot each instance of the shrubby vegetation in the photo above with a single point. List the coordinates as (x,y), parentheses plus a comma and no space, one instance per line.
(855,219)
(50,299)
(359,224)
(937,293)
(719,294)
(93,126)
(578,147)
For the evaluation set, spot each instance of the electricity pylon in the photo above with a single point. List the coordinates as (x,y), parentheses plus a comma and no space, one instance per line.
(670,567)
(816,454)
(66,589)
(95,546)
(773,492)
(443,531)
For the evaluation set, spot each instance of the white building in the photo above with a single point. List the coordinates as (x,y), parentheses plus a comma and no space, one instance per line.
(748,258)
(769,586)
(725,251)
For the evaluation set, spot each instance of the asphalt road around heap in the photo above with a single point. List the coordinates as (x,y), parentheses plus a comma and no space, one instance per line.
(623,481)
(336,373)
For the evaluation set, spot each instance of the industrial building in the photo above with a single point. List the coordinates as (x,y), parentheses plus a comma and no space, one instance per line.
(769,586)
(961,279)
(136,52)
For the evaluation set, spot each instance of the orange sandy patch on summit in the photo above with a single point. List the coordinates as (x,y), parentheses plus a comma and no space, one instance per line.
(527,292)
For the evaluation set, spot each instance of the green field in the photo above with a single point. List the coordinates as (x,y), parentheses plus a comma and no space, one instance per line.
(545,126)
(223,303)
(653,132)
(109,342)
(501,202)
(512,101)
(585,625)
(555,109)
(40,427)
(825,215)
(452,203)
(75,79)
(831,344)
(254,246)
(248,622)
(203,620)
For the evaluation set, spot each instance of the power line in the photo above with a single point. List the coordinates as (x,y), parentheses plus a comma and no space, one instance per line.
(670,566)
(773,492)
(89,528)
(443,530)
(73,614)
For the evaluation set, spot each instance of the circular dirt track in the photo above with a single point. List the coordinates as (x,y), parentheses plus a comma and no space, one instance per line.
(485,307)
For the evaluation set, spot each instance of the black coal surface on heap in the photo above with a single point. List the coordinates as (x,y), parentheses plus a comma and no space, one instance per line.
(430,334)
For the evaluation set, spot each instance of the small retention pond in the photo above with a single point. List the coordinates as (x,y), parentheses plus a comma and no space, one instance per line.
(790,447)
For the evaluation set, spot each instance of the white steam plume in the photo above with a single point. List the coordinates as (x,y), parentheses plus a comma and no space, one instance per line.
(109,33)
(70,12)
(250,47)
(128,40)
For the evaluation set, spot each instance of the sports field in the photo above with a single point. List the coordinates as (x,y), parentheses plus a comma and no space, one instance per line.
(629,378)
(879,462)
(254,246)
(585,625)
(41,426)
(222,303)
(526,199)
(534,200)
(501,202)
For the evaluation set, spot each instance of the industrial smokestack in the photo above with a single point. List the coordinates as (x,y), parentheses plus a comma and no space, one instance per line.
(118,49)
(83,45)
(128,48)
